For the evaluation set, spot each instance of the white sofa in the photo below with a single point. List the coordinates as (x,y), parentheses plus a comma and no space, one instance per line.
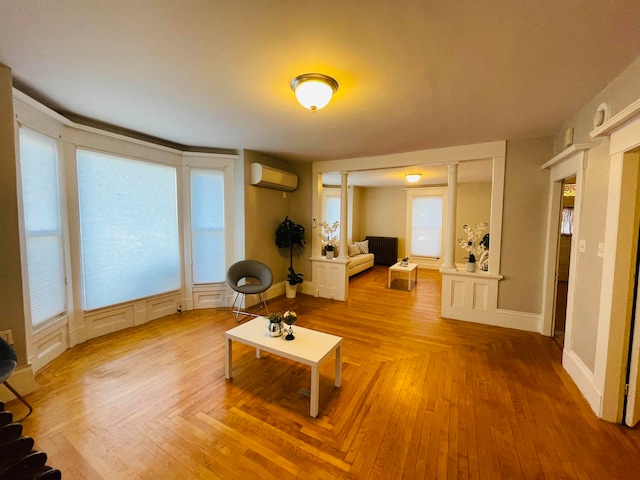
(360,262)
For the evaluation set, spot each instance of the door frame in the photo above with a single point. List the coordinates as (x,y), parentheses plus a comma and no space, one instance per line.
(572,161)
(612,344)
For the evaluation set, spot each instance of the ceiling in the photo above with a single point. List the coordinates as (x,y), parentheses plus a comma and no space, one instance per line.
(413,75)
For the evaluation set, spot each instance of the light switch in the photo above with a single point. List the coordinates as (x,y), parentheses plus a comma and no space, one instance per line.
(582,246)
(601,249)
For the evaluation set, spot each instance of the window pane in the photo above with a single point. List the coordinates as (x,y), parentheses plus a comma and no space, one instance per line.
(129,229)
(426,226)
(566,226)
(207,226)
(333,210)
(41,202)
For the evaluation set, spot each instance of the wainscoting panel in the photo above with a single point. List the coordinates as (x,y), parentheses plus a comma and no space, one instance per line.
(457,294)
(109,321)
(470,296)
(330,278)
(210,296)
(161,306)
(480,296)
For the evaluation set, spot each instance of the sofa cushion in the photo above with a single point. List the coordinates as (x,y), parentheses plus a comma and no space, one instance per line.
(354,250)
(360,259)
(363,246)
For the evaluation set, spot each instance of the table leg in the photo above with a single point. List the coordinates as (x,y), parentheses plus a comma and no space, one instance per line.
(338,379)
(389,280)
(258,353)
(409,282)
(315,390)
(227,358)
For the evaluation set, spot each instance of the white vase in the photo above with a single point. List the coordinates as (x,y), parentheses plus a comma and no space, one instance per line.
(329,253)
(471,266)
(290,290)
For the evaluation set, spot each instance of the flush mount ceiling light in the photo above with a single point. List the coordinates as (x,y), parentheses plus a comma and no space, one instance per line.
(569,190)
(314,90)
(413,177)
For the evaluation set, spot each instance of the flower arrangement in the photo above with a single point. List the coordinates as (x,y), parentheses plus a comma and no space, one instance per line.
(327,235)
(474,243)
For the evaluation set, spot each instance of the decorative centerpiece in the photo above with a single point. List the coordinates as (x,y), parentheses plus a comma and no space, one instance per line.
(404,262)
(274,325)
(474,245)
(290,317)
(329,242)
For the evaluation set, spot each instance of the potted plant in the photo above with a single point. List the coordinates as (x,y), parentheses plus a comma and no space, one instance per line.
(473,244)
(274,324)
(327,238)
(291,235)
(328,251)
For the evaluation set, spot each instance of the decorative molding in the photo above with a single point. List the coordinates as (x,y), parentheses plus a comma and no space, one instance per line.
(566,154)
(584,380)
(30,102)
(617,120)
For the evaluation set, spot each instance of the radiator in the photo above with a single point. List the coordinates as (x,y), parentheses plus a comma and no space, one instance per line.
(385,249)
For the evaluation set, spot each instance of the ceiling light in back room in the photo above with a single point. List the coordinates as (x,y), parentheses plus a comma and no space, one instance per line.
(413,177)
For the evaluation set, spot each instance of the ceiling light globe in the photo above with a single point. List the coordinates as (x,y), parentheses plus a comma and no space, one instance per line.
(314,90)
(413,177)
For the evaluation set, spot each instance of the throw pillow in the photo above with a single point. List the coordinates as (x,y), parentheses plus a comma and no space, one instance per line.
(363,246)
(353,250)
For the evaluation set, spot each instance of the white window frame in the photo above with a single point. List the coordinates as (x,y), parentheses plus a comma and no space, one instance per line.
(60,316)
(425,262)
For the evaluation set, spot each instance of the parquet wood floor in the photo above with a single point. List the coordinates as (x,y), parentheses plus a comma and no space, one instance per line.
(421,398)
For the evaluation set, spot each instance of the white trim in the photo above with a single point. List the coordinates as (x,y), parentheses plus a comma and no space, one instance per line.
(584,380)
(495,220)
(434,262)
(30,102)
(573,161)
(565,154)
(617,120)
(22,380)
(529,322)
(436,156)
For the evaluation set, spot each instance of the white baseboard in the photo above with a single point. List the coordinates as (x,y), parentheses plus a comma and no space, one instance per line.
(529,322)
(22,380)
(583,378)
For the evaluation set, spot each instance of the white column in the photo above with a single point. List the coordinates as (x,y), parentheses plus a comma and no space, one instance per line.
(449,263)
(344,214)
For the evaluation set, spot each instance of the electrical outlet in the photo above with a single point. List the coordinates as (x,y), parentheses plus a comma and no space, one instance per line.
(7,335)
(179,308)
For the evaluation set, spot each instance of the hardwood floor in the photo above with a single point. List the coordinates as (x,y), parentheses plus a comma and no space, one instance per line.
(421,397)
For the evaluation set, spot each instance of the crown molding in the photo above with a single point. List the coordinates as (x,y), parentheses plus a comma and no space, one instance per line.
(617,120)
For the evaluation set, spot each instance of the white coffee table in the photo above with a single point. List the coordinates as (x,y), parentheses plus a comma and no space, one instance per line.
(309,347)
(411,269)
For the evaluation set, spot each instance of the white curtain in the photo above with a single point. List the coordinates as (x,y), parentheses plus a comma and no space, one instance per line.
(43,232)
(426,226)
(129,229)
(207,226)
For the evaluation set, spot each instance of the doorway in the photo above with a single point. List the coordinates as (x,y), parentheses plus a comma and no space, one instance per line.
(565,236)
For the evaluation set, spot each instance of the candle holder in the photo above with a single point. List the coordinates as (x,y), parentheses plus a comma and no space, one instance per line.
(290,317)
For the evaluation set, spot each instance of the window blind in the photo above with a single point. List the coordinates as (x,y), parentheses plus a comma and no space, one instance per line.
(43,232)
(426,226)
(128,227)
(207,226)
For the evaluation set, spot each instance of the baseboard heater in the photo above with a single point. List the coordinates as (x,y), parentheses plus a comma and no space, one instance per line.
(385,249)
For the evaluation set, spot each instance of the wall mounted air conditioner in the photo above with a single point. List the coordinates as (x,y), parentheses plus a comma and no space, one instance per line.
(269,177)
